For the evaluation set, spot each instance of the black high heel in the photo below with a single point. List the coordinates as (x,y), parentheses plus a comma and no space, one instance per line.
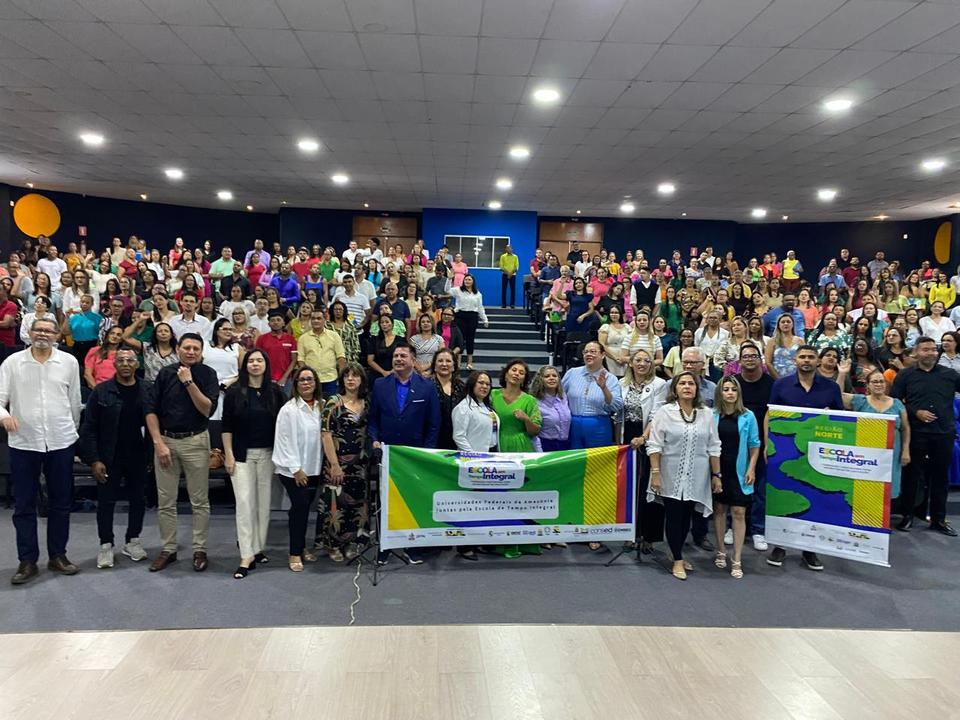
(261,559)
(241,572)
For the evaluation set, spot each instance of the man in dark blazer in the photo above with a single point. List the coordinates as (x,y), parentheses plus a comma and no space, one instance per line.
(404,410)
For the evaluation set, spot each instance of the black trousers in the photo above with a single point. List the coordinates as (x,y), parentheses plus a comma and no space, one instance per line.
(126,479)
(467,321)
(699,528)
(508,281)
(299,512)
(930,458)
(677,515)
(25,468)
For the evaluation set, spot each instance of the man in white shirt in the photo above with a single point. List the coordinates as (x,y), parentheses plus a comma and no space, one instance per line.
(351,253)
(358,304)
(261,321)
(40,410)
(188,321)
(53,266)
(373,252)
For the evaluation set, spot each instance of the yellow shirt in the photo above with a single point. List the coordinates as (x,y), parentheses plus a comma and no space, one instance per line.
(943,293)
(789,273)
(509,263)
(321,352)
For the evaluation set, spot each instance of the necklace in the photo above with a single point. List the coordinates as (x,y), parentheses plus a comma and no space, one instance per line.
(691,419)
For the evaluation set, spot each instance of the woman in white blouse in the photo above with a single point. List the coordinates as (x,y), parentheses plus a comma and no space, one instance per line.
(684,451)
(223,354)
(611,337)
(298,456)
(470,313)
(936,323)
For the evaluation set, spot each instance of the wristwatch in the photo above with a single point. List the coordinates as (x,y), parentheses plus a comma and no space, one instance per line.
(188,383)
(716,475)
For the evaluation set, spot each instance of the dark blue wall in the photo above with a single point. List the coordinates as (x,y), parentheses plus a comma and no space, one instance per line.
(158,224)
(520,227)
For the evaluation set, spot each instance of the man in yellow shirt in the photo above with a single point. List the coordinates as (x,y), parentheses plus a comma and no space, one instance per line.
(509,264)
(791,272)
(322,349)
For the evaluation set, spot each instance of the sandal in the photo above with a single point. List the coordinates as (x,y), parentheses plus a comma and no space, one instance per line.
(335,554)
(295,565)
(679,572)
(308,556)
(646,548)
(736,570)
(688,566)
(261,558)
(720,560)
(241,572)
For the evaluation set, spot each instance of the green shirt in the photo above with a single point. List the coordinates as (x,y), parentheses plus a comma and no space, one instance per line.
(513,432)
(221,267)
(509,263)
(328,268)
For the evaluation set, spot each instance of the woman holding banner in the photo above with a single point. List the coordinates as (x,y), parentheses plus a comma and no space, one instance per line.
(643,394)
(877,400)
(684,450)
(740,449)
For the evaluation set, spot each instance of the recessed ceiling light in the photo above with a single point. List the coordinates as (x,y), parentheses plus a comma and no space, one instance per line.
(143,196)
(340,178)
(933,164)
(906,236)
(519,152)
(366,205)
(504,183)
(308,145)
(249,208)
(758,213)
(578,212)
(173,173)
(92,139)
(839,104)
(627,207)
(666,188)
(683,214)
(826,194)
(30,185)
(494,204)
(881,216)
(224,195)
(283,202)
(784,217)
(546,95)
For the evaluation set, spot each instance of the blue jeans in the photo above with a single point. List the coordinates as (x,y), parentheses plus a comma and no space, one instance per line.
(758,508)
(57,467)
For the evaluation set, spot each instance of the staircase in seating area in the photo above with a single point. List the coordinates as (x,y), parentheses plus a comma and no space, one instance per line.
(511,335)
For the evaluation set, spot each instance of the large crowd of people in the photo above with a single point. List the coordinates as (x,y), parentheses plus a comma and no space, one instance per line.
(154,363)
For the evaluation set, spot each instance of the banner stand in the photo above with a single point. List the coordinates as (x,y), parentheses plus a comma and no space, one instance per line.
(638,518)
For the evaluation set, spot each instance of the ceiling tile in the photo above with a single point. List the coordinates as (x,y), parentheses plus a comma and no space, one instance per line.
(733,64)
(694,96)
(597,93)
(178,12)
(488,88)
(399,86)
(456,88)
(448,17)
(789,65)
(349,84)
(845,67)
(649,21)
(783,21)
(326,15)
(647,94)
(563,58)
(250,13)
(127,11)
(620,61)
(512,19)
(940,78)
(903,68)
(676,62)
(923,22)
(716,22)
(851,23)
(297,81)
(506,56)
(274,48)
(577,20)
(55,10)
(214,45)
(448,54)
(94,38)
(333,51)
(391,53)
(394,16)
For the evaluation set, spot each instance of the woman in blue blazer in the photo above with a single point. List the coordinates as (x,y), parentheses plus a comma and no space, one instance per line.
(740,448)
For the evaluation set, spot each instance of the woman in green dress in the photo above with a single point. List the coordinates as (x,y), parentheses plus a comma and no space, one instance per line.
(518,411)
(519,417)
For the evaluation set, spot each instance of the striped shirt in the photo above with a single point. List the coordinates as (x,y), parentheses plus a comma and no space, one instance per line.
(585,397)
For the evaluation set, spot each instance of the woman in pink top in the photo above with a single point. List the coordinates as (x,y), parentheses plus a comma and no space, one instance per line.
(459,268)
(98,364)
(600,285)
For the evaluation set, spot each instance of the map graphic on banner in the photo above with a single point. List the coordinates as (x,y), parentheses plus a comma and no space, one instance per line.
(828,482)
(445,497)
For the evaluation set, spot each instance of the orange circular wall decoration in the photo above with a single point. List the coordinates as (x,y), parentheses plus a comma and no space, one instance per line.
(36,215)
(941,242)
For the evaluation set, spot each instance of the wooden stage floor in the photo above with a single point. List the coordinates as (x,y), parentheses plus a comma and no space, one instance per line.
(495,672)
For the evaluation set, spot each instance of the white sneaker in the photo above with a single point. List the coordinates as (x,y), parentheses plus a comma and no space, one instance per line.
(728,537)
(759,543)
(105,556)
(134,550)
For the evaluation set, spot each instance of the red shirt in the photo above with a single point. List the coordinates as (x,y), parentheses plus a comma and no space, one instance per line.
(129,267)
(253,274)
(302,269)
(8,334)
(279,350)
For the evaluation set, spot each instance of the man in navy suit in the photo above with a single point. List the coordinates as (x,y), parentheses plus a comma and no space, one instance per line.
(404,410)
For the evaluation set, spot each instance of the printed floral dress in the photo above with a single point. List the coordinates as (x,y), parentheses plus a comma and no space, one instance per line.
(345,509)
